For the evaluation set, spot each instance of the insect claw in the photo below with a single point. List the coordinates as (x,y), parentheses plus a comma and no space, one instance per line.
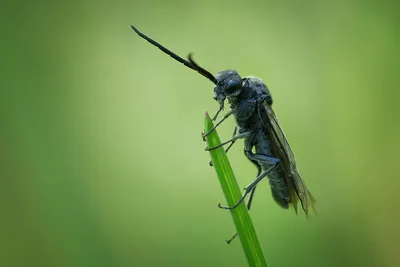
(211,163)
(223,207)
(232,238)
(203,136)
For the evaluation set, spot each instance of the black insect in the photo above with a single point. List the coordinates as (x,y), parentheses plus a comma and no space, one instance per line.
(265,144)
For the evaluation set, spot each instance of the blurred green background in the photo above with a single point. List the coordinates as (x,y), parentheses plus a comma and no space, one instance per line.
(102,163)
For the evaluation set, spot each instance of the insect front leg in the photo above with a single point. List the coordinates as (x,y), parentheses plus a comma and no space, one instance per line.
(231,144)
(239,136)
(221,107)
(216,125)
(273,162)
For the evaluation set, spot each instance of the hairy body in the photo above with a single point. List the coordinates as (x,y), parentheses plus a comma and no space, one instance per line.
(265,143)
(249,110)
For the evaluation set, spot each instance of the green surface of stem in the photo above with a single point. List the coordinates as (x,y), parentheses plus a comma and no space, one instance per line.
(232,192)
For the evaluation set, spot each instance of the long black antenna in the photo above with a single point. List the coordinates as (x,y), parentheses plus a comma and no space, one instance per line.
(201,70)
(191,64)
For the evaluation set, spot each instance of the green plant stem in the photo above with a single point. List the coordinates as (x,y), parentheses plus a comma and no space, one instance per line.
(240,215)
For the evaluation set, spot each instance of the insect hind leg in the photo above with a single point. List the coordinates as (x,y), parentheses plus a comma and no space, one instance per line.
(271,161)
(278,186)
(254,158)
(248,205)
(250,199)
(260,158)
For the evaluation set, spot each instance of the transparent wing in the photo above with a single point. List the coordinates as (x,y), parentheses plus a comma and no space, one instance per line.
(298,188)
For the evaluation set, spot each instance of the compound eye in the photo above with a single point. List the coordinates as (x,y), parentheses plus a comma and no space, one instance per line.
(231,83)
(232,87)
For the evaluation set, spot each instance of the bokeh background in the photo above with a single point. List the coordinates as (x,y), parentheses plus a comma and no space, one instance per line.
(102,163)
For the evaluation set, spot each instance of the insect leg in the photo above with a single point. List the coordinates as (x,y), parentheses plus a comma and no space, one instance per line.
(241,135)
(258,157)
(232,238)
(248,205)
(250,199)
(216,125)
(221,107)
(230,145)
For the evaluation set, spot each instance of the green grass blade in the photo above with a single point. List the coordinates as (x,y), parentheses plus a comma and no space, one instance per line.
(240,215)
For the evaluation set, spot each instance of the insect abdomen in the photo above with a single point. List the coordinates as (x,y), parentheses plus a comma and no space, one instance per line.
(279,189)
